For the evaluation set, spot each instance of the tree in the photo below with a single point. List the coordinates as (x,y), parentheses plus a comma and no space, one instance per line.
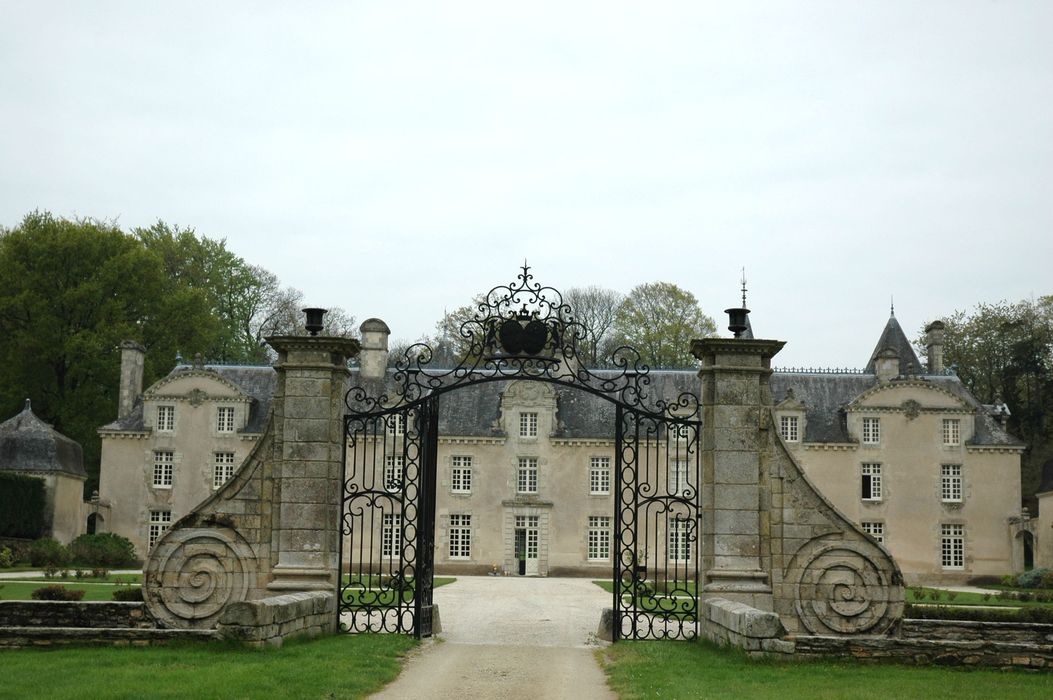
(70,292)
(1004,354)
(596,309)
(659,320)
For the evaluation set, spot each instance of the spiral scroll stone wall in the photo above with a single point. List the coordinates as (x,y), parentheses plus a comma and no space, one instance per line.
(196,573)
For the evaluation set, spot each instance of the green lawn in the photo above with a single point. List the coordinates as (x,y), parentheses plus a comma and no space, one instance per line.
(344,666)
(945,598)
(18,590)
(384,597)
(111,578)
(702,670)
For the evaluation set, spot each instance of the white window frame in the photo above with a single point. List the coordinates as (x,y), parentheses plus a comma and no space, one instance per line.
(678,477)
(222,468)
(952,546)
(394,472)
(164,469)
(396,424)
(951,483)
(599,538)
(165,418)
(461,474)
(159,522)
(599,476)
(391,536)
(789,428)
(678,541)
(875,529)
(871,431)
(528,424)
(871,473)
(952,432)
(526,475)
(224,419)
(460,536)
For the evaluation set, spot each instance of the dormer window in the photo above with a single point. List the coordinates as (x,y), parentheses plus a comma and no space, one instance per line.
(225,419)
(952,432)
(871,431)
(789,428)
(166,418)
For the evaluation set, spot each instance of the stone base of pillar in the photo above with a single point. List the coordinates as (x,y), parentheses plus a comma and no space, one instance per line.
(750,587)
(289,578)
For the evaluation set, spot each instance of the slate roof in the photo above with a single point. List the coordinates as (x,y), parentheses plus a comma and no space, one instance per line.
(894,338)
(28,444)
(256,381)
(823,396)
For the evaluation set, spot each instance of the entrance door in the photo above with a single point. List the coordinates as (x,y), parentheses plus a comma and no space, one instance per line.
(526,545)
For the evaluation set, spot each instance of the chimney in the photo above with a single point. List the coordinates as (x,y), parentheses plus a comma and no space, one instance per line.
(886,365)
(373,357)
(934,346)
(132,356)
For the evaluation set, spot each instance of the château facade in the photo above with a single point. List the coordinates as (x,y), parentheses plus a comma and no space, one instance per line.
(525,469)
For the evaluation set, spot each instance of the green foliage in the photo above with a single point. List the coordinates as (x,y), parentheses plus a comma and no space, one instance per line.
(1004,353)
(57,593)
(7,558)
(659,320)
(48,553)
(128,593)
(1032,579)
(104,549)
(22,500)
(1034,613)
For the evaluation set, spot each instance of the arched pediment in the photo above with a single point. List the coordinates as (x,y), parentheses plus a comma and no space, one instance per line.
(195,382)
(916,393)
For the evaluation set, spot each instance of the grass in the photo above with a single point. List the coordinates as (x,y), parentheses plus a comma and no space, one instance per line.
(111,578)
(702,670)
(20,590)
(344,666)
(384,597)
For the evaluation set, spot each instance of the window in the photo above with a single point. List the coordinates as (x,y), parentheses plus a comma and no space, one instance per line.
(526,477)
(677,477)
(528,425)
(875,530)
(871,482)
(952,432)
(163,464)
(680,432)
(788,428)
(225,419)
(679,540)
(951,483)
(871,431)
(599,476)
(952,546)
(397,424)
(391,536)
(166,418)
(461,481)
(159,522)
(599,537)
(222,468)
(394,472)
(460,536)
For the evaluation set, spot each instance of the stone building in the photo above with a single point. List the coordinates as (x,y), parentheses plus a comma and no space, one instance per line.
(525,468)
(31,447)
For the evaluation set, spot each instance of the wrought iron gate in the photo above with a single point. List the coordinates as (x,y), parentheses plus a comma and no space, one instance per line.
(521,331)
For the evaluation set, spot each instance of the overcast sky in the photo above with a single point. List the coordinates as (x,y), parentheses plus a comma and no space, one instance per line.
(395,158)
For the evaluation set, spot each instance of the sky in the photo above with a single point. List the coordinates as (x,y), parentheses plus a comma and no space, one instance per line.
(396,158)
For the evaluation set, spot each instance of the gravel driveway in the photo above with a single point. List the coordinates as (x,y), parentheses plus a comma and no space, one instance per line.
(510,638)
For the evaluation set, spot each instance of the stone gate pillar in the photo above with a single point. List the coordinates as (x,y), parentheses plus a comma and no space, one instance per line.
(308,449)
(736,399)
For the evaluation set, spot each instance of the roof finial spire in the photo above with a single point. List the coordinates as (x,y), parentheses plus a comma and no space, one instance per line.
(744,287)
(891,305)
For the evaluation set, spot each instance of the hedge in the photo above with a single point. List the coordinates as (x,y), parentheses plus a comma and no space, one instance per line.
(977,614)
(21,505)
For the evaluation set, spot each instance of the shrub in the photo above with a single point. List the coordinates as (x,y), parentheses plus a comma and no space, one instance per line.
(986,597)
(7,558)
(56,593)
(103,549)
(1008,580)
(951,595)
(48,552)
(100,573)
(1047,580)
(1031,579)
(128,593)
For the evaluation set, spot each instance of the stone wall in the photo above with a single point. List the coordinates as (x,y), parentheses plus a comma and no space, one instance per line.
(268,622)
(736,624)
(53,613)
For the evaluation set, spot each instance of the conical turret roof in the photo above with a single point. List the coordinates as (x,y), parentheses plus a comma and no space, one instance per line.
(893,338)
(28,444)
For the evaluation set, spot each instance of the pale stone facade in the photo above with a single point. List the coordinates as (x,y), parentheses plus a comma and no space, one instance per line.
(948,490)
